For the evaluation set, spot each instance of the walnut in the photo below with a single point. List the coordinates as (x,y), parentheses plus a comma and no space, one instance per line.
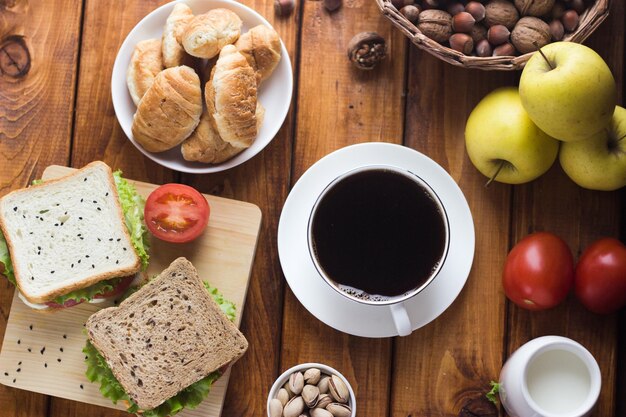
(534,7)
(367,49)
(436,24)
(530,34)
(501,12)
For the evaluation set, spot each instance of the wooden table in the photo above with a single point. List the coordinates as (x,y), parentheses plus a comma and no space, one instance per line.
(60,112)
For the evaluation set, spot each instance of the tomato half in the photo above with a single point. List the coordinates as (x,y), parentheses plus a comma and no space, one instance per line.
(538,272)
(120,288)
(67,304)
(601,276)
(176,213)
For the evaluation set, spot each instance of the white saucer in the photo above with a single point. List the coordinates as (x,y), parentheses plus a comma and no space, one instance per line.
(327,304)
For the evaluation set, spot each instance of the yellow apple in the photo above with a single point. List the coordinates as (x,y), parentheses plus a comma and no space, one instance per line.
(503,143)
(570,94)
(599,162)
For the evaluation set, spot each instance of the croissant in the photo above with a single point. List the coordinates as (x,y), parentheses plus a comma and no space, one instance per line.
(173,51)
(262,49)
(206,34)
(145,64)
(169,111)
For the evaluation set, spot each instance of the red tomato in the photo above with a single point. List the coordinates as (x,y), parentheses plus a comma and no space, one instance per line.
(539,271)
(176,213)
(601,276)
(67,304)
(118,289)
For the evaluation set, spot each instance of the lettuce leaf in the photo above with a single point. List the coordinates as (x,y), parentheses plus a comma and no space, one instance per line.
(5,260)
(132,205)
(98,371)
(88,293)
(227,307)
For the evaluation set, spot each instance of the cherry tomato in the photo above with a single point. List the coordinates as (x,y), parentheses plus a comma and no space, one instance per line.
(118,289)
(176,213)
(600,282)
(538,272)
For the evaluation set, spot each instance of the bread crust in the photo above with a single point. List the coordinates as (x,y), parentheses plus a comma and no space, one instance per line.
(206,34)
(262,49)
(51,295)
(175,25)
(145,63)
(231,97)
(169,111)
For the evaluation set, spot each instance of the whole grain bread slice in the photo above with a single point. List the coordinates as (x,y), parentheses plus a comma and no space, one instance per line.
(166,336)
(67,234)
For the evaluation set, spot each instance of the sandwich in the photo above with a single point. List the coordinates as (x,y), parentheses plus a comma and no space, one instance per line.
(75,239)
(163,347)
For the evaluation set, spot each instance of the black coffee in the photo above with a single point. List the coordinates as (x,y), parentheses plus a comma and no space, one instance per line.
(378,232)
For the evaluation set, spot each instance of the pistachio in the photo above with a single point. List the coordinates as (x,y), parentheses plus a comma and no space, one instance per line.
(339,410)
(323,384)
(312,376)
(310,395)
(338,389)
(283,396)
(320,412)
(294,407)
(324,400)
(286,388)
(296,382)
(276,408)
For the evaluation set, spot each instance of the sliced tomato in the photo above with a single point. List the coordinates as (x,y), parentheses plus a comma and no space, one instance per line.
(120,288)
(176,213)
(68,303)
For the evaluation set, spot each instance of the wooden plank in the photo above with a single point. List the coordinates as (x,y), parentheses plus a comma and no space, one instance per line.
(443,366)
(264,181)
(35,120)
(223,256)
(97,134)
(588,216)
(339,105)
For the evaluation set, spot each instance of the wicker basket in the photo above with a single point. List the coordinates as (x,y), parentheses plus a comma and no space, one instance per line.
(589,21)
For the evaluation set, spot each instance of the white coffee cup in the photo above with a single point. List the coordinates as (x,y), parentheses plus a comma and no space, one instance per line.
(395,305)
(550,376)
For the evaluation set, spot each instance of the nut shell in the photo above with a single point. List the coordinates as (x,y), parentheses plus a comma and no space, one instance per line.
(484,48)
(498,34)
(436,24)
(462,42)
(506,49)
(530,34)
(534,7)
(476,9)
(570,20)
(557,30)
(463,22)
(478,33)
(366,50)
(501,12)
(411,12)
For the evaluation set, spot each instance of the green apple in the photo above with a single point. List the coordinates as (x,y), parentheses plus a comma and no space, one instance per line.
(598,162)
(503,143)
(569,91)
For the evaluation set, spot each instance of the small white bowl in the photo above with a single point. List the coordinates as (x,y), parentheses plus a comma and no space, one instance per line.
(280,381)
(274,93)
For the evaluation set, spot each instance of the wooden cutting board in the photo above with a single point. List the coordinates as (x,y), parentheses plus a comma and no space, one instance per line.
(42,352)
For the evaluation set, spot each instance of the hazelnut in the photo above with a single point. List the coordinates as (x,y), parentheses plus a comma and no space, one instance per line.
(332,5)
(501,12)
(506,49)
(455,8)
(430,4)
(463,22)
(476,9)
(530,34)
(557,10)
(411,13)
(478,33)
(462,42)
(578,5)
(399,4)
(556,30)
(367,49)
(483,48)
(436,24)
(284,7)
(498,34)
(534,7)
(570,20)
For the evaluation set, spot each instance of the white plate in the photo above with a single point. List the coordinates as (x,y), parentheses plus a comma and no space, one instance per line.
(327,304)
(274,93)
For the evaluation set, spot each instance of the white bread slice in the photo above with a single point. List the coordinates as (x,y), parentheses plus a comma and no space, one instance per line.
(67,234)
(166,336)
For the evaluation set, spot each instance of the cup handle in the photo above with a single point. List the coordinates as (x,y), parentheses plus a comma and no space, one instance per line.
(401,319)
